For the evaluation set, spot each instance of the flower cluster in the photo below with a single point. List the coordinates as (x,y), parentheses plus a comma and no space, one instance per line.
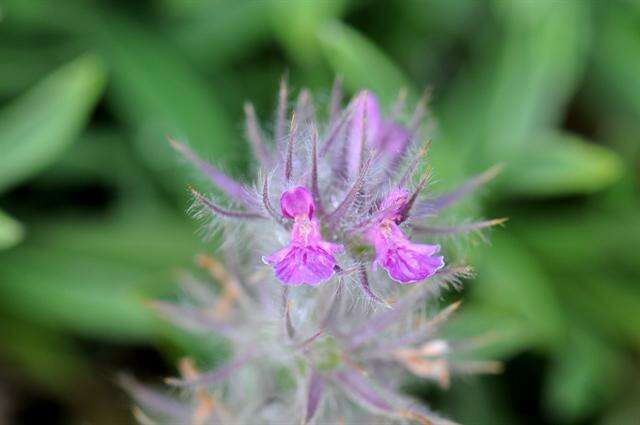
(302,295)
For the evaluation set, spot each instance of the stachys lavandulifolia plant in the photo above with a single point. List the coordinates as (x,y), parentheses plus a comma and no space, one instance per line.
(327,267)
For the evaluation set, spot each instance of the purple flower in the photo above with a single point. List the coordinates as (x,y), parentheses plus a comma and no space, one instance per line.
(405,261)
(307,259)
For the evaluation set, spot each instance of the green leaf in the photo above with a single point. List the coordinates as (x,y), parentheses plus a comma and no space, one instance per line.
(543,56)
(511,280)
(361,63)
(75,17)
(500,334)
(22,66)
(561,164)
(37,127)
(608,304)
(617,57)
(445,19)
(591,238)
(84,294)
(222,31)
(296,24)
(11,232)
(584,376)
(160,94)
(91,276)
(525,68)
(85,162)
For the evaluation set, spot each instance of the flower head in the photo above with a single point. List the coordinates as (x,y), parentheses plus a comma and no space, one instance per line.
(345,187)
(332,181)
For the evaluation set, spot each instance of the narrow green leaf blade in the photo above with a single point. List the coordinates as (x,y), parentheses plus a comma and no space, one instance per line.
(584,376)
(617,58)
(11,232)
(560,164)
(500,334)
(37,127)
(526,67)
(221,31)
(90,276)
(511,280)
(296,22)
(84,294)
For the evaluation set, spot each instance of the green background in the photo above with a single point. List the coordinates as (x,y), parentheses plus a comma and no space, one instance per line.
(92,200)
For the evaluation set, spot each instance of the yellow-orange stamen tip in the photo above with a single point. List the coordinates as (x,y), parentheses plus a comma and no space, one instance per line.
(498,221)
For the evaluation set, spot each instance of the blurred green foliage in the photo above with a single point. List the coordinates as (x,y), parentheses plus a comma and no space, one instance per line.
(92,200)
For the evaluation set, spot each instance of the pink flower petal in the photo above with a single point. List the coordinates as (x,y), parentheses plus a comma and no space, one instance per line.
(308,259)
(411,263)
(404,261)
(298,265)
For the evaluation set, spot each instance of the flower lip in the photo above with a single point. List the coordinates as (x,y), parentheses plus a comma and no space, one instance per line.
(404,261)
(297,202)
(298,264)
(308,259)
